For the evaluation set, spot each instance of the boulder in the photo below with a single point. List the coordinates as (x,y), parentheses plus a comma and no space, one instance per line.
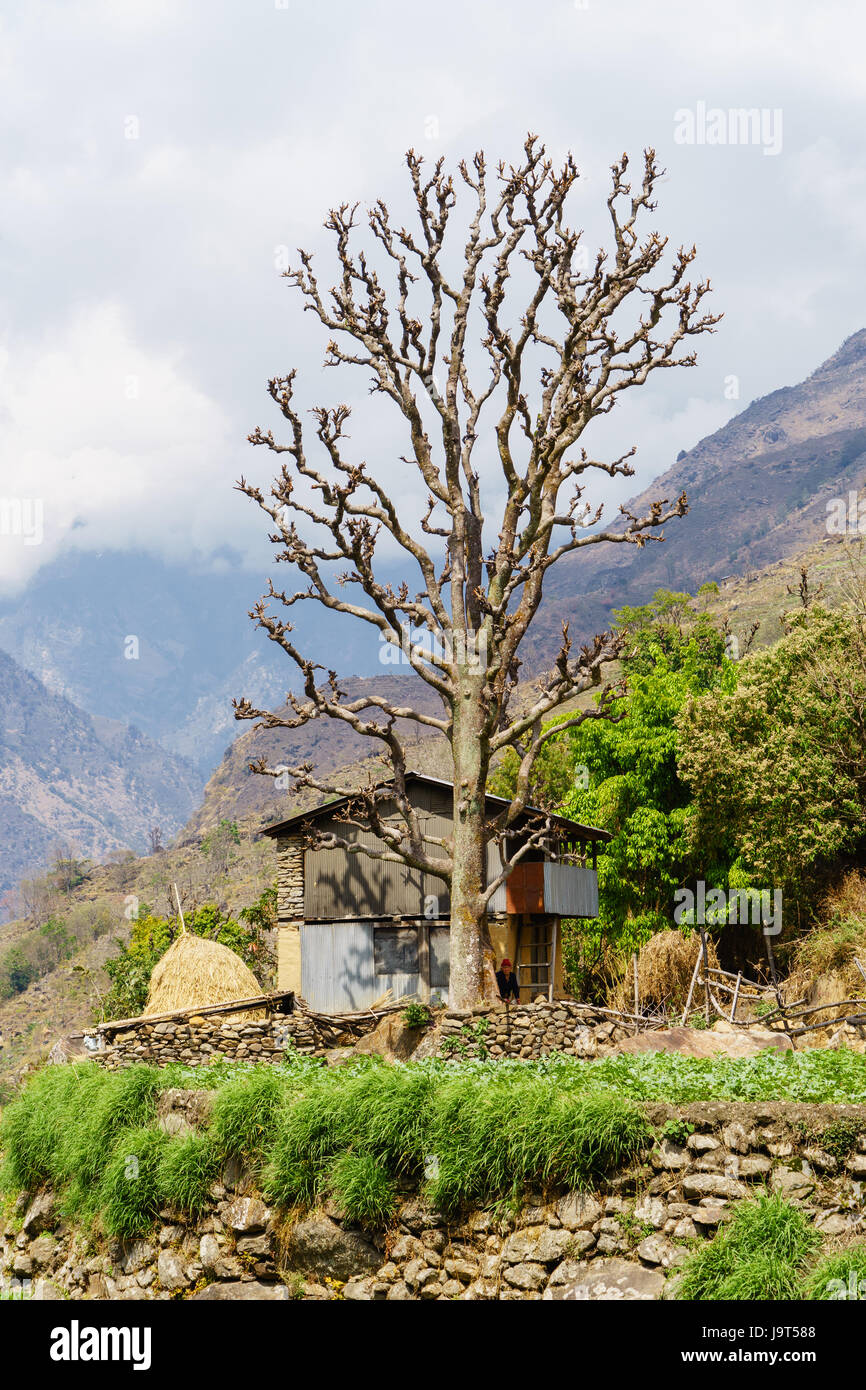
(316,1245)
(250,1291)
(702,1042)
(606,1280)
(247,1216)
(40,1215)
(171,1270)
(392,1038)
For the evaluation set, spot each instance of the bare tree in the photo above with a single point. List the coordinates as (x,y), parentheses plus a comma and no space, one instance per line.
(527,345)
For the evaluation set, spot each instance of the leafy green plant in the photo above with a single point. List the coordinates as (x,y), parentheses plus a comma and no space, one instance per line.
(416,1015)
(186,1171)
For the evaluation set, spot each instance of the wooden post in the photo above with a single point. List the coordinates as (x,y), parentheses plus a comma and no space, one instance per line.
(551,971)
(772,959)
(706,959)
(636,988)
(736,996)
(691,989)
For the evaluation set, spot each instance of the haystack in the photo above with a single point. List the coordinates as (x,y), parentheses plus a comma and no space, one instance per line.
(195,972)
(664,971)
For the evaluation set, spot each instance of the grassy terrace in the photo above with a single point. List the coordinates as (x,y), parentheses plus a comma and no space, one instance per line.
(361,1132)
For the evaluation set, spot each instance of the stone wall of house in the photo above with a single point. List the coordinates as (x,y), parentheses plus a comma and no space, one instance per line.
(626,1239)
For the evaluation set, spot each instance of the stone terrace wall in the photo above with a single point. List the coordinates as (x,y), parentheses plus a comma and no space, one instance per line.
(528,1030)
(625,1240)
(196,1044)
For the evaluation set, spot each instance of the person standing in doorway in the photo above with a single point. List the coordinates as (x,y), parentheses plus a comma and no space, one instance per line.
(507,982)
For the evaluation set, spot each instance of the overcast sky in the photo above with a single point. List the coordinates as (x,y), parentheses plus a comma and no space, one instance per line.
(156,155)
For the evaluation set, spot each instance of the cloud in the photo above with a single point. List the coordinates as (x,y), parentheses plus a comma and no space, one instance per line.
(114,443)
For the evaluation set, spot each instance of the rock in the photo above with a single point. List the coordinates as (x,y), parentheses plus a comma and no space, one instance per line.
(713,1185)
(526,1276)
(318,1246)
(538,1244)
(236,1175)
(651,1210)
(46,1291)
(833,1223)
(249,1291)
(358,1290)
(670,1157)
(709,1216)
(578,1211)
(655,1250)
(610,1279)
(42,1250)
(735,1138)
(684,1229)
(392,1038)
(398,1292)
(40,1215)
(208,1251)
(180,1111)
(791,1185)
(418,1215)
(171,1270)
(22,1266)
(257,1246)
(701,1143)
(247,1216)
(136,1254)
(700,1042)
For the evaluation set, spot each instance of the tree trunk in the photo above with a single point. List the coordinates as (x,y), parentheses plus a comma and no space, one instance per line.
(473,979)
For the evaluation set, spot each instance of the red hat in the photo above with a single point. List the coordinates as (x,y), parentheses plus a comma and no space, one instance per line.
(505,962)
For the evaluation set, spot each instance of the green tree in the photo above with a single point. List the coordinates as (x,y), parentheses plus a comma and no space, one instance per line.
(777,766)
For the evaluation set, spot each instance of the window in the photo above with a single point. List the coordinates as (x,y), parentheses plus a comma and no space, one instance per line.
(395,951)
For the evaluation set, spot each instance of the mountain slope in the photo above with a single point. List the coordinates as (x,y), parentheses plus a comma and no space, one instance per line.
(67,776)
(757,489)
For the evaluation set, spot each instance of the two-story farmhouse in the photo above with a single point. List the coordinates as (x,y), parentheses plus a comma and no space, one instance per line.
(352,927)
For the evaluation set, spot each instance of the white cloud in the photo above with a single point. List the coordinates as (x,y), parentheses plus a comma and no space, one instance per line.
(114,442)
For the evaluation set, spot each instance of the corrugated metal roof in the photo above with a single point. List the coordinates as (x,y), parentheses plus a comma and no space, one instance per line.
(585,832)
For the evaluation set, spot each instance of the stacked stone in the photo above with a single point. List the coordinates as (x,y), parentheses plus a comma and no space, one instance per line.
(626,1240)
(529,1030)
(290,881)
(197,1044)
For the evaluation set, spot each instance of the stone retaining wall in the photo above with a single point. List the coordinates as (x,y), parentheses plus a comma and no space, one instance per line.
(624,1240)
(528,1030)
(197,1044)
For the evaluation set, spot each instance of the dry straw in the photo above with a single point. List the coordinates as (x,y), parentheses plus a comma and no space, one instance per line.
(664,970)
(195,972)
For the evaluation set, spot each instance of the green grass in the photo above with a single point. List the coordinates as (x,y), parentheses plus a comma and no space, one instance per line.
(361,1185)
(363,1130)
(762,1254)
(825,1280)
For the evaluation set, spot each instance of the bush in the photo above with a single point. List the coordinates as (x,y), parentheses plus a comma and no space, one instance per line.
(244,1112)
(187,1169)
(762,1254)
(361,1185)
(840,1276)
(129,1195)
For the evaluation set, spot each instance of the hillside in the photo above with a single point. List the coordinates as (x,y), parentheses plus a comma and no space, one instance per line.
(757,489)
(87,782)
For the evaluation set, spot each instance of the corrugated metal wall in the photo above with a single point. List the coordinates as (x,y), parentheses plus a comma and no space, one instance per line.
(570,891)
(337,968)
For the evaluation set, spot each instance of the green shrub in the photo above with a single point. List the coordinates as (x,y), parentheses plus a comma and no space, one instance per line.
(187,1169)
(361,1185)
(244,1112)
(762,1254)
(129,1195)
(832,1278)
